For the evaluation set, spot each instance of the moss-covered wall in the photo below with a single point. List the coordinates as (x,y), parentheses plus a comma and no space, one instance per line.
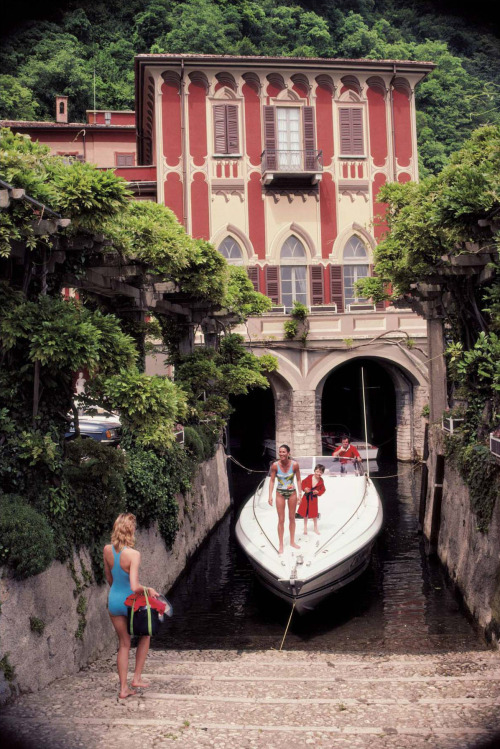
(471,556)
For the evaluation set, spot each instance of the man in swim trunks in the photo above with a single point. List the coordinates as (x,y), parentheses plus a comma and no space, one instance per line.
(284,471)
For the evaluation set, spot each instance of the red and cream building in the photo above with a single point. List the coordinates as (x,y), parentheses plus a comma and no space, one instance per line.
(278,162)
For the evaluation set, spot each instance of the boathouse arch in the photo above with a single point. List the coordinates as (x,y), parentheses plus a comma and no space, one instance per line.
(410,394)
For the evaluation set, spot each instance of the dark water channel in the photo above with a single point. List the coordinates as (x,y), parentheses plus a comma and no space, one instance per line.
(402,603)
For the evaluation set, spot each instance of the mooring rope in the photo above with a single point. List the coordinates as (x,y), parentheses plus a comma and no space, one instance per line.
(289,620)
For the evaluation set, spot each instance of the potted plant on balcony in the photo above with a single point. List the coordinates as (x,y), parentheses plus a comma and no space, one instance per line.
(298,326)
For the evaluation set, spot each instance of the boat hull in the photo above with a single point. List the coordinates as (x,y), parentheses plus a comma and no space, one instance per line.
(309,594)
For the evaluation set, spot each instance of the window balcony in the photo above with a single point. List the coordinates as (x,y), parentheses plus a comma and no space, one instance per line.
(281,168)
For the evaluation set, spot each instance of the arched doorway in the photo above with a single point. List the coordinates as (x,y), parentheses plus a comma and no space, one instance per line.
(342,403)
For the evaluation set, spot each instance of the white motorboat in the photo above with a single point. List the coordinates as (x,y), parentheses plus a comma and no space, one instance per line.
(350,519)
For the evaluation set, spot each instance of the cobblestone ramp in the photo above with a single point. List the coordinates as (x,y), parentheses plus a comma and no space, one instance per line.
(270,699)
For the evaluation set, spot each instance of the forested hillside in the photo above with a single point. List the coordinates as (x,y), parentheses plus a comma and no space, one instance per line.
(42,58)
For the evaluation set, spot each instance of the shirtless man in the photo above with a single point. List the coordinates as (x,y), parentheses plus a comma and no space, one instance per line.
(285,471)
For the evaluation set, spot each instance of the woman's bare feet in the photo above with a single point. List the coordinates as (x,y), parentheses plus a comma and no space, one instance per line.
(295,546)
(126,693)
(140,684)
(317,531)
(280,550)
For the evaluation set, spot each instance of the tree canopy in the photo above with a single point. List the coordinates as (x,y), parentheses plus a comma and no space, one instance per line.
(44,58)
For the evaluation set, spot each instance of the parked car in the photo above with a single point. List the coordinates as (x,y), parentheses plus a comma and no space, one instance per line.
(102,426)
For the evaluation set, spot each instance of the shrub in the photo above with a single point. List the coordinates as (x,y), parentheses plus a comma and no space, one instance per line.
(193,443)
(94,474)
(27,540)
(152,482)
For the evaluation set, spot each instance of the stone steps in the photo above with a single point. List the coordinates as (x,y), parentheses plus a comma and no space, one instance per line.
(271,699)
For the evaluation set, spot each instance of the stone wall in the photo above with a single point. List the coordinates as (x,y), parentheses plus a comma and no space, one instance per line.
(472,558)
(66,603)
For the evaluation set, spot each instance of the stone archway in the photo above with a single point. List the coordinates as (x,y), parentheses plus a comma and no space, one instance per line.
(410,394)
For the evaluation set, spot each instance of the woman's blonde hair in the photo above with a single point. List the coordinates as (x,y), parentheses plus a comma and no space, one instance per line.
(123,533)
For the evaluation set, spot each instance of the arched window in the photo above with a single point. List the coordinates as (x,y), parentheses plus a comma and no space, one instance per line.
(231,250)
(355,267)
(61,107)
(293,273)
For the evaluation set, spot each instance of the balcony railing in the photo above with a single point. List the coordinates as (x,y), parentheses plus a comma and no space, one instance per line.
(278,163)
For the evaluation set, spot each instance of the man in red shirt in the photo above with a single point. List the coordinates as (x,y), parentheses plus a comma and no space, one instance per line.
(347,454)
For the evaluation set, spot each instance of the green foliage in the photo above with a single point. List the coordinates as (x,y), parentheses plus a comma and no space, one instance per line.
(17,101)
(480,472)
(7,668)
(299,311)
(291,328)
(241,299)
(437,216)
(45,59)
(206,275)
(150,233)
(37,625)
(27,541)
(95,475)
(149,406)
(81,610)
(210,377)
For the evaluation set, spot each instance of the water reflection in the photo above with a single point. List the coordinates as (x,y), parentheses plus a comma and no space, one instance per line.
(400,604)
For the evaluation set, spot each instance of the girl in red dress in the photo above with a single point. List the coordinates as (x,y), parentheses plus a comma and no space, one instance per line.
(313,487)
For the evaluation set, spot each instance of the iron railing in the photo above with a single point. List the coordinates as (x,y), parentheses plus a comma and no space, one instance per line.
(288,161)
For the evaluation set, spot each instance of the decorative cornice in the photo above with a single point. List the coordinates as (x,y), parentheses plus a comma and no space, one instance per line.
(301,80)
(199,79)
(291,193)
(227,79)
(252,80)
(172,78)
(326,81)
(275,79)
(377,84)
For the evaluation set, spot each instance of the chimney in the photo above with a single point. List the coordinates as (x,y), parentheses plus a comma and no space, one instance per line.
(61,108)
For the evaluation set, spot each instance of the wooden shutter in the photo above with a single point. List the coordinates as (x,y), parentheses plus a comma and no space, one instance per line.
(270,143)
(351,131)
(379,306)
(220,130)
(357,131)
(317,287)
(309,138)
(233,145)
(253,275)
(272,283)
(337,286)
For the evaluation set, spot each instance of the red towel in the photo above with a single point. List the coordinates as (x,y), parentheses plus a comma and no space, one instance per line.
(138,600)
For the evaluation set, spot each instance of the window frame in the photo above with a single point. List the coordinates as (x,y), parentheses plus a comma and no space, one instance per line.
(123,154)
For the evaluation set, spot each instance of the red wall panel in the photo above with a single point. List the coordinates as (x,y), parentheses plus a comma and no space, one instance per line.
(173,195)
(379,226)
(404,177)
(256,220)
(402,128)
(200,221)
(377,126)
(328,214)
(171,123)
(197,111)
(324,123)
(252,124)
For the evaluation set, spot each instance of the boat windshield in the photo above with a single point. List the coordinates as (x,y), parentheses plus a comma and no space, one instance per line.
(333,466)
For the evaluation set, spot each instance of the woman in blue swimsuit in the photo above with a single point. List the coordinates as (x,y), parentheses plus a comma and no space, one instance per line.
(121,567)
(283,472)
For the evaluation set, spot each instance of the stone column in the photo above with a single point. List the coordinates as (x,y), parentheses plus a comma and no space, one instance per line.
(284,422)
(403,425)
(306,423)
